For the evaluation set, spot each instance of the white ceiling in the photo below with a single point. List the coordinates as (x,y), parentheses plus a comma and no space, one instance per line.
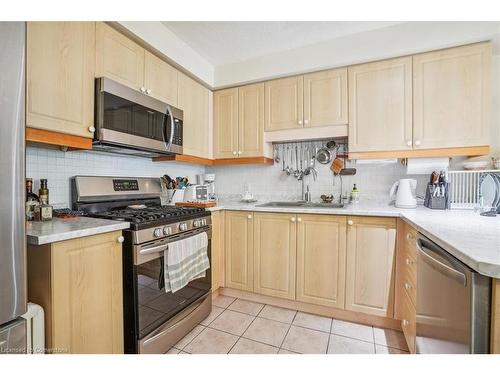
(228,42)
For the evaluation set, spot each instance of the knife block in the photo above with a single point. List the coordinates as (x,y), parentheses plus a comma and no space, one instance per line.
(438,202)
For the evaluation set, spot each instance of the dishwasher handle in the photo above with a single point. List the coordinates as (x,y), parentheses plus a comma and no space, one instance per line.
(427,250)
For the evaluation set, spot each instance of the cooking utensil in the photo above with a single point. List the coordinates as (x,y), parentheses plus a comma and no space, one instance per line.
(276,154)
(287,169)
(331,145)
(327,198)
(337,166)
(324,155)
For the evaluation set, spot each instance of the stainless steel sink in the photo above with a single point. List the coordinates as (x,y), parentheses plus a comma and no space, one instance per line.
(301,204)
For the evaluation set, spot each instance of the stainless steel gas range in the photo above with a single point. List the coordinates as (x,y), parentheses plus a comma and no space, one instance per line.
(153,320)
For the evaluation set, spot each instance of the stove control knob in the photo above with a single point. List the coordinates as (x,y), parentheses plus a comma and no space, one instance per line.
(167,231)
(197,223)
(204,221)
(183,226)
(158,232)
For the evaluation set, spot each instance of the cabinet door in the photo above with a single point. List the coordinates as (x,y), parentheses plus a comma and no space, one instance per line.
(452,97)
(118,57)
(370,265)
(284,103)
(217,250)
(251,120)
(325,98)
(380,106)
(87,297)
(321,257)
(238,243)
(275,254)
(194,100)
(160,78)
(60,77)
(226,124)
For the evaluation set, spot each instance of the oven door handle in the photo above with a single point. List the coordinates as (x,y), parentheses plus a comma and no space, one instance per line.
(154,249)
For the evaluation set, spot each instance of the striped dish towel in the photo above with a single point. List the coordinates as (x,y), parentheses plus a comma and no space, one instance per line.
(184,261)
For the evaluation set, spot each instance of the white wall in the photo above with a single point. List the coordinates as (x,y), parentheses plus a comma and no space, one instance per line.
(58,167)
(268,183)
(401,39)
(166,42)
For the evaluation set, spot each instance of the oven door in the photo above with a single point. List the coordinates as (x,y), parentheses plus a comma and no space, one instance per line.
(130,119)
(155,307)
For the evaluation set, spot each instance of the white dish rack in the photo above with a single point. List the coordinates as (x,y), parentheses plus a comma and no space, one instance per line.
(464,188)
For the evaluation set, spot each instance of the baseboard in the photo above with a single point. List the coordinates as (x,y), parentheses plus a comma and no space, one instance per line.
(351,316)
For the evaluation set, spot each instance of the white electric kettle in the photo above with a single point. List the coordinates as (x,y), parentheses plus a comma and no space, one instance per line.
(404,191)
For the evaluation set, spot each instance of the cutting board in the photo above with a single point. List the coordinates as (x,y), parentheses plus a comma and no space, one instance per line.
(196,204)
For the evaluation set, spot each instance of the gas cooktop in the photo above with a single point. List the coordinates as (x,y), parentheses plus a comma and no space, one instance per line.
(141,216)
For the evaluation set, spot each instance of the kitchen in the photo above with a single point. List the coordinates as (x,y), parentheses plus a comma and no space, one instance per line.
(187,192)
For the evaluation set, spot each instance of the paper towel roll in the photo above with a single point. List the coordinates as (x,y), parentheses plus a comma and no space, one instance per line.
(426,165)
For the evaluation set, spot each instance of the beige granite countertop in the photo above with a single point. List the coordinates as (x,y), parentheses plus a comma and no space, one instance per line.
(43,232)
(473,239)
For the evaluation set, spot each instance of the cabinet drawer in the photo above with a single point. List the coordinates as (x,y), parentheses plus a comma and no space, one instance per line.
(410,241)
(408,323)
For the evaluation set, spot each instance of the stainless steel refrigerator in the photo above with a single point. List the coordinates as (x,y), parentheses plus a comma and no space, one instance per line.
(12,189)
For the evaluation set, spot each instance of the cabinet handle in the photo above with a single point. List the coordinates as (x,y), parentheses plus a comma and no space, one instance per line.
(407,286)
(249,217)
(408,261)
(417,143)
(292,219)
(91,129)
(240,152)
(120,239)
(299,219)
(350,222)
(300,122)
(143,89)
(148,91)
(408,143)
(234,152)
(405,322)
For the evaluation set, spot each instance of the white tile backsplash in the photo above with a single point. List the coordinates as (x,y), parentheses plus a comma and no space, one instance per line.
(58,167)
(269,183)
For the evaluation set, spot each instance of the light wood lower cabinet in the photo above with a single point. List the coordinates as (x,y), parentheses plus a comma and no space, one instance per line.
(371,245)
(321,257)
(60,66)
(79,285)
(217,247)
(275,254)
(238,243)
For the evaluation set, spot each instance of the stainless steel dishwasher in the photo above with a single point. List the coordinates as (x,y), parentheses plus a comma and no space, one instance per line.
(453,303)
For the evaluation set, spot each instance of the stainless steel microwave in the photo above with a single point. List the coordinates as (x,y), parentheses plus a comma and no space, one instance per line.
(131,122)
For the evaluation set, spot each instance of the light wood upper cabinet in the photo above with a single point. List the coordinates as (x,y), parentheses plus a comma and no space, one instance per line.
(160,78)
(226,123)
(79,285)
(238,243)
(275,254)
(321,259)
(60,77)
(325,98)
(193,99)
(370,265)
(284,103)
(380,105)
(251,120)
(118,57)
(452,97)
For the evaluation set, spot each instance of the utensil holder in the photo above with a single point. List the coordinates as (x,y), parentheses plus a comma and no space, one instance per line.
(437,202)
(170,196)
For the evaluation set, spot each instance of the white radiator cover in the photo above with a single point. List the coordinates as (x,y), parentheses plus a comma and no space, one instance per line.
(35,329)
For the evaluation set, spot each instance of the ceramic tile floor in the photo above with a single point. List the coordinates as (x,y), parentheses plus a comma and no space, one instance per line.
(237,326)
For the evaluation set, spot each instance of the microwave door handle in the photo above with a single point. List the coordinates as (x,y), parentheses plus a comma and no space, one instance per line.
(446,270)
(169,114)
